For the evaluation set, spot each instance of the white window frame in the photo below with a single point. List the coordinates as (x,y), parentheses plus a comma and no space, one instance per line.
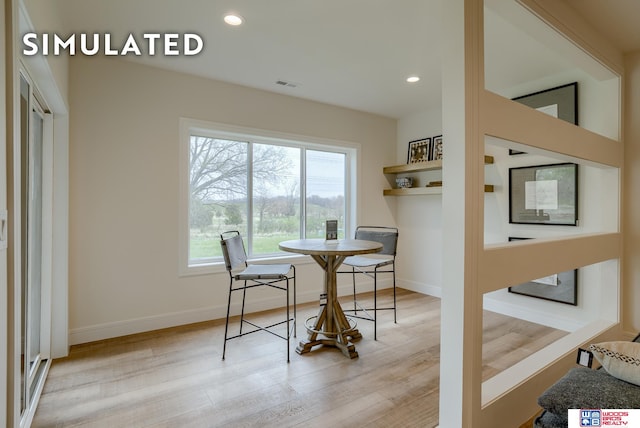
(239,133)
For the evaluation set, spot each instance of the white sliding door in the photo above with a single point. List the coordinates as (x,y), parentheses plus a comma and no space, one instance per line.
(35,256)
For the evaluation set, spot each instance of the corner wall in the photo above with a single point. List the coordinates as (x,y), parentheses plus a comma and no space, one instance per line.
(419,218)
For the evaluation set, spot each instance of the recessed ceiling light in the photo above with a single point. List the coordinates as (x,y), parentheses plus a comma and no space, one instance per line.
(413,79)
(233,19)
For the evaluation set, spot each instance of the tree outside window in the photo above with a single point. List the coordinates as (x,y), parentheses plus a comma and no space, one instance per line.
(256,189)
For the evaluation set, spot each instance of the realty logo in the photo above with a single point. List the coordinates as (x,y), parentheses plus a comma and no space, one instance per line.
(590,418)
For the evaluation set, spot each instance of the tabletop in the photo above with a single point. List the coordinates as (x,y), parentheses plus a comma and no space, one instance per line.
(320,247)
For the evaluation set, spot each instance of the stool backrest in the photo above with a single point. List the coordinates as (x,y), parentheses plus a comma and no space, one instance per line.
(387,236)
(233,250)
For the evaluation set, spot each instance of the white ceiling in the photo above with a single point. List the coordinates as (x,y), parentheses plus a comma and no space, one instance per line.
(355,53)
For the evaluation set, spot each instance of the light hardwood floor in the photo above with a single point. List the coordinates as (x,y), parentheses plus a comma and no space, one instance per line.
(176,378)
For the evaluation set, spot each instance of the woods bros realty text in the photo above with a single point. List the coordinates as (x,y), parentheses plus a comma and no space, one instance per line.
(168,44)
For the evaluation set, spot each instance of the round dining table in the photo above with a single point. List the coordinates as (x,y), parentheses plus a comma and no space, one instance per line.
(331,327)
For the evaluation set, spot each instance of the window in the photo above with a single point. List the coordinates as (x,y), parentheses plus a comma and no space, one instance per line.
(269,188)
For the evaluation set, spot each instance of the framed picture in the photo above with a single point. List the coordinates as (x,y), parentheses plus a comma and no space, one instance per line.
(437,148)
(419,151)
(544,194)
(331,230)
(560,102)
(561,287)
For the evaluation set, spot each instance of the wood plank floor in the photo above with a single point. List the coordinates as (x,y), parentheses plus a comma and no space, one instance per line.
(176,378)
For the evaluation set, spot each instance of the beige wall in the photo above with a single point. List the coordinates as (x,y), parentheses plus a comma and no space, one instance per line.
(631,213)
(124,174)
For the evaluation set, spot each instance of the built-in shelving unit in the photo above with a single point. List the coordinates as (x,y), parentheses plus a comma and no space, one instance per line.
(419,167)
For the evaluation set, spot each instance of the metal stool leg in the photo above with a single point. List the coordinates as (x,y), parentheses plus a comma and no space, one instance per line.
(288,318)
(295,314)
(226,326)
(375,304)
(395,320)
(244,295)
(353,274)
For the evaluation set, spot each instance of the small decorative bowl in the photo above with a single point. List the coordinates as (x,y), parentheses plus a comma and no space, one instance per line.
(404,182)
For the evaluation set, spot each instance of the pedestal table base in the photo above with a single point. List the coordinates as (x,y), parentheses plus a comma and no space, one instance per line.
(344,332)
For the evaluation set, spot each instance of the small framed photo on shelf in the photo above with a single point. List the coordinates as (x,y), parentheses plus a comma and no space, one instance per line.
(544,194)
(419,151)
(436,152)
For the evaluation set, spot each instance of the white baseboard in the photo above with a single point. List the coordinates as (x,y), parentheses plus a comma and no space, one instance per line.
(420,287)
(139,325)
(109,330)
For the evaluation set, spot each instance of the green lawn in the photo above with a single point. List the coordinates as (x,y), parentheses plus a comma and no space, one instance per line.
(205,246)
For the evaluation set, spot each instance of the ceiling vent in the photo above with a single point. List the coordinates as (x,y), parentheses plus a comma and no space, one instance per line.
(287,84)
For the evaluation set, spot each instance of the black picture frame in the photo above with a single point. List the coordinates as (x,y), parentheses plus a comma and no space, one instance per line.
(436,151)
(331,230)
(563,288)
(564,97)
(419,151)
(584,358)
(544,194)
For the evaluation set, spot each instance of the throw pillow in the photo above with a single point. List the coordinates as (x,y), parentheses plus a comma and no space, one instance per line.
(619,359)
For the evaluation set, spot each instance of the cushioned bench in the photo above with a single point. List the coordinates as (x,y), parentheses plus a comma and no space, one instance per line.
(614,386)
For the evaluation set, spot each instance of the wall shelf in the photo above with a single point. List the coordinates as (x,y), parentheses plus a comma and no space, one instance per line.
(423,166)
(419,167)
(413,167)
(414,191)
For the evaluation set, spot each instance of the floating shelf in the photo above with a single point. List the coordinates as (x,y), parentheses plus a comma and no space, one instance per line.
(423,166)
(419,167)
(411,191)
(413,167)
